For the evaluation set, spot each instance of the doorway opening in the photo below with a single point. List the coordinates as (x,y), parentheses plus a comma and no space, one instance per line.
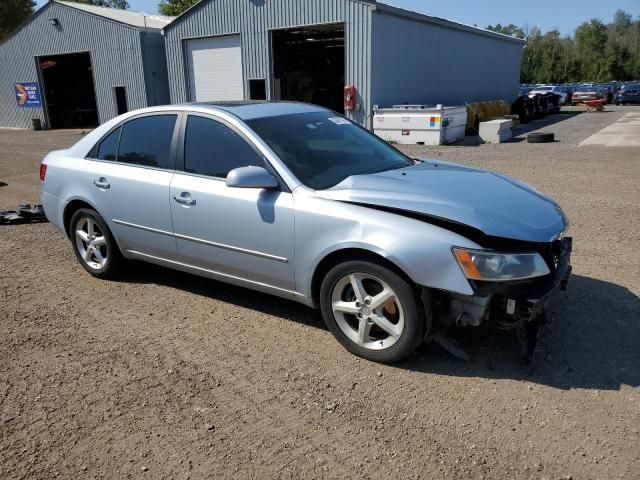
(308,65)
(121,100)
(258,89)
(69,94)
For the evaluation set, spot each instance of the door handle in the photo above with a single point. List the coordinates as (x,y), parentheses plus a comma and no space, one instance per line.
(185,199)
(102,183)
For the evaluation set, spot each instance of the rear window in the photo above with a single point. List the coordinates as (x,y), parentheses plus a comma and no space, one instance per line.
(146,141)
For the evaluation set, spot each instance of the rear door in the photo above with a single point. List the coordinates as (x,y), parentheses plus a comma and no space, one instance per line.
(246,233)
(130,175)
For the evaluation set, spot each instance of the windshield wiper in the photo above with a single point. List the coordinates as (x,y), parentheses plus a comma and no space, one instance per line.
(400,165)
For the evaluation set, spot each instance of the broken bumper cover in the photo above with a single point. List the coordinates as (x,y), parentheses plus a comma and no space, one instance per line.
(511,303)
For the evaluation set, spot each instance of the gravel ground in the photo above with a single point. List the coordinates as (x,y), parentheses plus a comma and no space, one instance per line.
(166,375)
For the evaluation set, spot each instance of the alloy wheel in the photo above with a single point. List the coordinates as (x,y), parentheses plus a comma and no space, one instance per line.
(91,243)
(367,311)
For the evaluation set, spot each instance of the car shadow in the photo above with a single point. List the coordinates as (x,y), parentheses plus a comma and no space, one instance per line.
(146,273)
(591,339)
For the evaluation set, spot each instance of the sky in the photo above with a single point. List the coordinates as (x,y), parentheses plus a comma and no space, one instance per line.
(563,15)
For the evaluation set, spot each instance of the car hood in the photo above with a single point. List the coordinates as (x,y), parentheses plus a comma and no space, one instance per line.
(496,205)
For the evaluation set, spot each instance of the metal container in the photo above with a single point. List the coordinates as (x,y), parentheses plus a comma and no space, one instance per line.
(496,131)
(420,124)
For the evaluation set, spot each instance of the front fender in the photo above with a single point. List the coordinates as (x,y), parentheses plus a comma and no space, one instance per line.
(421,250)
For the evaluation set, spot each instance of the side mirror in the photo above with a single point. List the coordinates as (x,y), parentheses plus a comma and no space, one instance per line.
(251,177)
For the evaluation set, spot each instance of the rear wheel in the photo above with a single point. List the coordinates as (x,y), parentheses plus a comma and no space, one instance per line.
(372,311)
(93,244)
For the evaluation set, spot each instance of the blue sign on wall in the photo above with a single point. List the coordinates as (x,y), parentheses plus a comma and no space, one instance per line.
(27,94)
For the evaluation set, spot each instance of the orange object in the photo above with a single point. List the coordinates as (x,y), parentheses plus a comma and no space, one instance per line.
(466,262)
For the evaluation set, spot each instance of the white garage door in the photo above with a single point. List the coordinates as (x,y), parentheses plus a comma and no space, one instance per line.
(215,68)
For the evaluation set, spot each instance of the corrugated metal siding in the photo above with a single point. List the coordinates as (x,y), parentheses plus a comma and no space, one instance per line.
(424,63)
(253,19)
(115,57)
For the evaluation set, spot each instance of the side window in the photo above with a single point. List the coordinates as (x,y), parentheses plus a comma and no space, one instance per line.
(108,147)
(211,148)
(147,141)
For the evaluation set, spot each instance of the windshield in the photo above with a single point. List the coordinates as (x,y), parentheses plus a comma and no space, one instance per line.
(322,149)
(586,89)
(544,89)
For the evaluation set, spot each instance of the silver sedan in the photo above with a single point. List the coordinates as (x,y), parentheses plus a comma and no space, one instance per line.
(299,202)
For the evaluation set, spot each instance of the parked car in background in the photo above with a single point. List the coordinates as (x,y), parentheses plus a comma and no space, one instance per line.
(587,92)
(608,91)
(300,202)
(629,93)
(568,90)
(524,90)
(549,89)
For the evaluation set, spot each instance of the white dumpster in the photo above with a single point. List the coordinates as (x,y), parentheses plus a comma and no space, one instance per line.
(412,124)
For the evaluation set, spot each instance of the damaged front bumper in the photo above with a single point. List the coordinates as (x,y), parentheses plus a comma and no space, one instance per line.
(510,304)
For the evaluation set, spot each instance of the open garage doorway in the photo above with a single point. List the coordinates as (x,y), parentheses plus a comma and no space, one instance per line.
(308,65)
(69,94)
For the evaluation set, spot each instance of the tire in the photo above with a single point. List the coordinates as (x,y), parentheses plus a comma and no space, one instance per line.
(401,313)
(540,138)
(95,248)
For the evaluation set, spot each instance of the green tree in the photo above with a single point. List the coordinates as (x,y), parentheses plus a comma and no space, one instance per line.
(597,52)
(622,20)
(122,4)
(173,8)
(511,30)
(591,42)
(12,14)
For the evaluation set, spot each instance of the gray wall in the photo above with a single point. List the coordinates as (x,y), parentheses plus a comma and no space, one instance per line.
(418,62)
(253,19)
(115,57)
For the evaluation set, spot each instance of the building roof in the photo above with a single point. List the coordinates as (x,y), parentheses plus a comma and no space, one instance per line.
(422,17)
(128,17)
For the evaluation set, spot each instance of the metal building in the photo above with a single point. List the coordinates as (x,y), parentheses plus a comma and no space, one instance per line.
(310,50)
(77,65)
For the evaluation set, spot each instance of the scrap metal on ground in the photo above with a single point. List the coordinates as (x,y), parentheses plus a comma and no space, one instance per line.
(26,213)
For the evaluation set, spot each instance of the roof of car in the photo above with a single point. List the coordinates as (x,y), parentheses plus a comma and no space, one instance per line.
(249,110)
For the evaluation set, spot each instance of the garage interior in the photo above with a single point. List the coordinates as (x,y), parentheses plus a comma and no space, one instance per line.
(69,94)
(309,65)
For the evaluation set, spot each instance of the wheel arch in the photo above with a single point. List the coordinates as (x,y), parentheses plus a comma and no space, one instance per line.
(76,204)
(72,207)
(338,256)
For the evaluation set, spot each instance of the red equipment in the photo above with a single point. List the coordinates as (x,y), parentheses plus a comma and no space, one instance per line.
(349,98)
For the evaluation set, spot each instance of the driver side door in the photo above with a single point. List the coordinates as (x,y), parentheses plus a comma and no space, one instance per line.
(242,234)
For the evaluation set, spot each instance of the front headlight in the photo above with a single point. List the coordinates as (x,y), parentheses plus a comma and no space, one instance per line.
(500,267)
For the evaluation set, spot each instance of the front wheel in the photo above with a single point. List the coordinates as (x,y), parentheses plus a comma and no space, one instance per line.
(372,311)
(93,244)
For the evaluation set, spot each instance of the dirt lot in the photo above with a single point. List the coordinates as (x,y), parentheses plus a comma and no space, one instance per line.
(166,375)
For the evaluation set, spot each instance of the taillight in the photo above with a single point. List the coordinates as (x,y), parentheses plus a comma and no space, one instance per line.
(43,171)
